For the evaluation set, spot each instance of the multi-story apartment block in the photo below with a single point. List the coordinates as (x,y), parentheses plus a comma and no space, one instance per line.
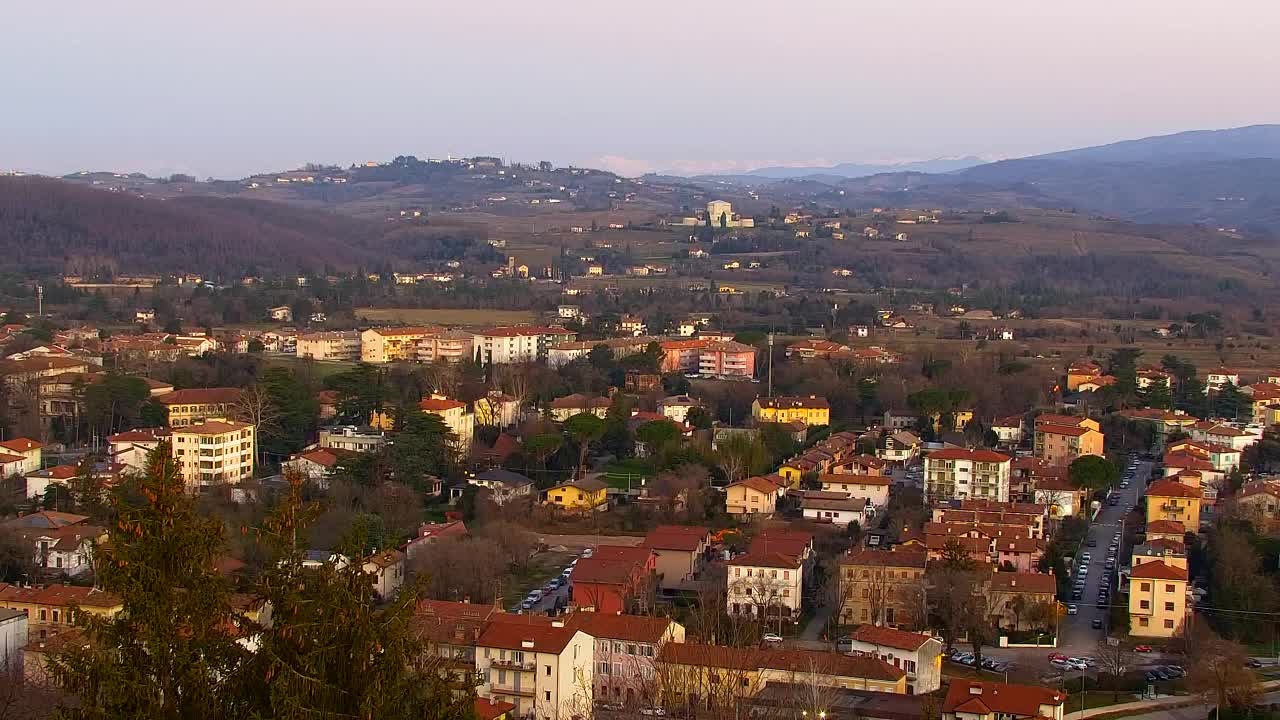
(764,584)
(545,670)
(1060,439)
(883,587)
(959,474)
(517,344)
(338,345)
(350,437)
(726,358)
(626,647)
(187,407)
(448,346)
(397,344)
(1171,500)
(1157,598)
(214,452)
(455,416)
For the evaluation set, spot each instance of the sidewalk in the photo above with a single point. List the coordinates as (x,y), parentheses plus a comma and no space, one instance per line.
(1134,708)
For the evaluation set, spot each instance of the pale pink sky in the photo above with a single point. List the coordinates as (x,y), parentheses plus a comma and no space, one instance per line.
(228,87)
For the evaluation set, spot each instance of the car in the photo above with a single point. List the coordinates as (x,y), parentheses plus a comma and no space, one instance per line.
(1096,624)
(1075,594)
(1252,663)
(844,644)
(587,553)
(1142,648)
(1176,671)
(527,604)
(1092,543)
(1062,665)
(771,638)
(1056,656)
(1151,676)
(653,712)
(1072,610)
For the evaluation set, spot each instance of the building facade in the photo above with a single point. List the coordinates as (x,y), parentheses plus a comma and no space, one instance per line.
(214,452)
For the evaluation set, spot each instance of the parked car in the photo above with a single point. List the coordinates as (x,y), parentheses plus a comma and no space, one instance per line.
(1072,610)
(1142,648)
(1253,663)
(1092,542)
(1096,624)
(771,638)
(1056,656)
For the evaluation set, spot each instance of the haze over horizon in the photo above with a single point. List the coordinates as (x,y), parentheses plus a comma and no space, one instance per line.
(714,86)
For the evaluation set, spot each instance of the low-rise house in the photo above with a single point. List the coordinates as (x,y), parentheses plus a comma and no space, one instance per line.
(566,407)
(811,410)
(1220,377)
(677,407)
(352,438)
(497,410)
(837,508)
(920,656)
(315,465)
(615,579)
(753,496)
(387,568)
(1020,553)
(680,553)
(1171,500)
(503,485)
(455,416)
(30,452)
(691,672)
(980,700)
(1008,430)
(901,446)
(872,488)
(582,495)
(429,533)
(1004,588)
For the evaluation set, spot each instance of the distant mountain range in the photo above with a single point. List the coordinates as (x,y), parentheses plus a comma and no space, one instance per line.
(857,170)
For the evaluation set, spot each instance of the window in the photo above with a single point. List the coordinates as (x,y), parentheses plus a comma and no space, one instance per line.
(864,614)
(1146,587)
(548,667)
(55,615)
(1145,605)
(1169,589)
(43,615)
(1168,606)
(631,649)
(1142,622)
(786,574)
(1168,624)
(546,694)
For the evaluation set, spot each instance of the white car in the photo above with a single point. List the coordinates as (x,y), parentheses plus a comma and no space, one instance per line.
(771,638)
(1072,610)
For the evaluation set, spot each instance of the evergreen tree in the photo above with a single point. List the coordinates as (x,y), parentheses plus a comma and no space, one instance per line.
(329,651)
(162,656)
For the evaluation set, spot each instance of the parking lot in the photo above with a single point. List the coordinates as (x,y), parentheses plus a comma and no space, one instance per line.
(553,594)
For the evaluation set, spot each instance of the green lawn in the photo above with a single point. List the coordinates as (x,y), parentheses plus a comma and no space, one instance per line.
(618,473)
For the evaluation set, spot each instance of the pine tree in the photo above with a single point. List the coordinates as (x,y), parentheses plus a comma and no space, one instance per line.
(329,651)
(162,656)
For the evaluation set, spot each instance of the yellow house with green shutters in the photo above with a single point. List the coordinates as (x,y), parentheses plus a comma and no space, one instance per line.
(586,494)
(811,410)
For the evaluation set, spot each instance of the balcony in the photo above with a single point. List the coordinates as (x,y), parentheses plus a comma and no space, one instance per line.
(496,689)
(516,665)
(1171,508)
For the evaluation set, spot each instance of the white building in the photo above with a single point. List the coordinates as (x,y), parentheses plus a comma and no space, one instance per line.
(517,344)
(960,474)
(836,508)
(764,584)
(545,670)
(13,636)
(131,448)
(872,488)
(919,656)
(30,452)
(677,407)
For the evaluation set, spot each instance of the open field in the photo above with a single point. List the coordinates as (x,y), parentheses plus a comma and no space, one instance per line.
(444,316)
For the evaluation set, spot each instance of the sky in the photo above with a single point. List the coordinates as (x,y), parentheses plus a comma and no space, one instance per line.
(231,87)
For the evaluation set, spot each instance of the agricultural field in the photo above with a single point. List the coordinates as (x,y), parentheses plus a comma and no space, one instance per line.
(445,316)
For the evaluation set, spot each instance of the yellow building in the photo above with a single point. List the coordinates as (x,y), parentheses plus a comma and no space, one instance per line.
(1157,599)
(49,607)
(586,494)
(185,407)
(455,416)
(398,344)
(1082,372)
(1060,439)
(959,419)
(812,410)
(753,496)
(1172,500)
(214,452)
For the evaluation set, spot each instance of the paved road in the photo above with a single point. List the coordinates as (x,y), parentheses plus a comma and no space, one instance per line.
(1193,712)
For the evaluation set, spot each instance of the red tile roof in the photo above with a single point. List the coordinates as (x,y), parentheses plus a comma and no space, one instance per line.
(630,628)
(758,484)
(890,637)
(1017,582)
(201,396)
(1157,570)
(1172,488)
(1166,527)
(887,558)
(766,559)
(676,537)
(439,404)
(826,663)
(984,698)
(514,635)
(20,445)
(492,709)
(989,456)
(58,595)
(1069,430)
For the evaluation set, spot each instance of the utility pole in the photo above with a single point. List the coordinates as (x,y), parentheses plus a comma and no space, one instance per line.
(771,364)
(39,301)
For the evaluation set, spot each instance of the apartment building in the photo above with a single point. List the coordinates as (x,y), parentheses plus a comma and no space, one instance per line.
(726,358)
(394,344)
(455,416)
(190,406)
(626,650)
(338,345)
(545,670)
(1171,500)
(1060,439)
(883,587)
(49,607)
(959,474)
(920,656)
(811,410)
(681,553)
(517,344)
(449,346)
(764,584)
(214,452)
(1157,599)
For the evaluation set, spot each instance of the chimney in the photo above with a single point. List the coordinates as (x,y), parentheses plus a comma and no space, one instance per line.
(975,689)
(557,623)
(526,644)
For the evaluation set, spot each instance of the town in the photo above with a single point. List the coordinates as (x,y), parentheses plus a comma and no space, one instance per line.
(610,502)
